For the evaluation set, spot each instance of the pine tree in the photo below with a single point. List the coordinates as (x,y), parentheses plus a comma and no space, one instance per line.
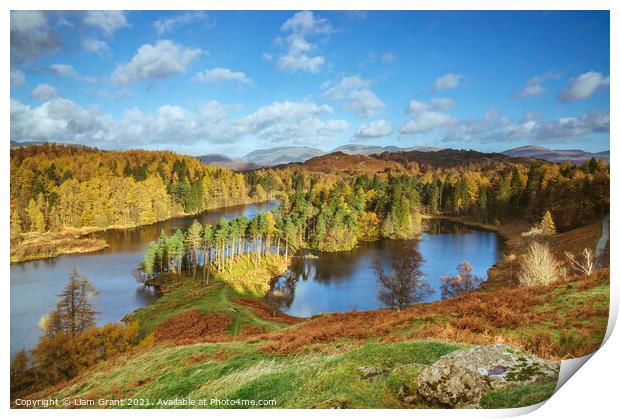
(207,239)
(193,241)
(16,225)
(150,257)
(434,202)
(35,213)
(75,311)
(547,225)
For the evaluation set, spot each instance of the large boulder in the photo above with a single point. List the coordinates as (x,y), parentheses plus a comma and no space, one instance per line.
(461,378)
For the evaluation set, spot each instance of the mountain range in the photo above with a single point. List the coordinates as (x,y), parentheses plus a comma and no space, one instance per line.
(556,156)
(283,155)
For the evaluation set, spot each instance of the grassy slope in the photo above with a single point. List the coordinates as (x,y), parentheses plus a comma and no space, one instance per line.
(241,371)
(315,362)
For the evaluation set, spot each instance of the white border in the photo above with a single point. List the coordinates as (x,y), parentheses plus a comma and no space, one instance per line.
(591,394)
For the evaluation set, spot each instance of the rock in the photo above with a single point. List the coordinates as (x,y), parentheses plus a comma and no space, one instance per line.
(461,378)
(370,372)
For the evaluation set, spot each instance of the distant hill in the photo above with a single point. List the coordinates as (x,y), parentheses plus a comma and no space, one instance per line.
(339,162)
(556,156)
(447,158)
(281,155)
(21,144)
(401,161)
(373,149)
(215,159)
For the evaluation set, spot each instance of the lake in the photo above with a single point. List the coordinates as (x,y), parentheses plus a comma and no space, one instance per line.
(34,284)
(346,281)
(341,281)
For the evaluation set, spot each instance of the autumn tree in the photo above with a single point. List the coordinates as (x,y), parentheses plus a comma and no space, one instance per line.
(464,281)
(193,241)
(405,284)
(74,312)
(547,225)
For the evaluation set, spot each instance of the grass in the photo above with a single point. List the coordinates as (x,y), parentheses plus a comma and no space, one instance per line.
(216,298)
(247,274)
(315,363)
(520,397)
(242,371)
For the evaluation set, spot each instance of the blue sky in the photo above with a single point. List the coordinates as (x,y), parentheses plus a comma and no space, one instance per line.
(230,82)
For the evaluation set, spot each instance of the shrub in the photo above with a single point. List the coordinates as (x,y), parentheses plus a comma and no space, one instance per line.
(464,281)
(539,266)
(583,263)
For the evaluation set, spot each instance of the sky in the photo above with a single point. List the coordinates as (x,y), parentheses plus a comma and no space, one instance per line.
(202,82)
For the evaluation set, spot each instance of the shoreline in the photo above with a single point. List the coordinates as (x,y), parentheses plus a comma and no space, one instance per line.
(84,234)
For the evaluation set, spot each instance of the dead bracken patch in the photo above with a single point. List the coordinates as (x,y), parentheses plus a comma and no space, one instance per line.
(263,311)
(194,326)
(477,317)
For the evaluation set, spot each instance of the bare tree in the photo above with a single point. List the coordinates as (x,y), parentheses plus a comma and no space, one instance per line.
(281,293)
(539,266)
(406,284)
(582,263)
(464,281)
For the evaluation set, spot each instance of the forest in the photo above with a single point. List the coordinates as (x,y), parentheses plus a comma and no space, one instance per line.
(335,214)
(54,187)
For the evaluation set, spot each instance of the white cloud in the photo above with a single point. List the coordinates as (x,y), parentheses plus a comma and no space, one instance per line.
(356,14)
(94,45)
(534,87)
(299,54)
(18,78)
(67,70)
(58,119)
(427,121)
(375,129)
(44,91)
(31,37)
(218,74)
(584,86)
(297,122)
(158,61)
(163,26)
(388,57)
(427,116)
(438,104)
(172,126)
(108,21)
(449,81)
(532,127)
(359,98)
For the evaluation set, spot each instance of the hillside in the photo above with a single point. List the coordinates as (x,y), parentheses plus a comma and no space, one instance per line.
(447,158)
(372,149)
(340,162)
(320,362)
(556,156)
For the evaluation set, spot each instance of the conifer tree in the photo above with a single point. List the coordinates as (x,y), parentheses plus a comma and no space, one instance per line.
(75,312)
(547,225)
(193,241)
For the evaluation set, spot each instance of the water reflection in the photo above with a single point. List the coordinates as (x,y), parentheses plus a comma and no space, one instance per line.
(346,280)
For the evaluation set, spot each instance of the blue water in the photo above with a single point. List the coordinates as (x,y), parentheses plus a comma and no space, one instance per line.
(35,284)
(346,281)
